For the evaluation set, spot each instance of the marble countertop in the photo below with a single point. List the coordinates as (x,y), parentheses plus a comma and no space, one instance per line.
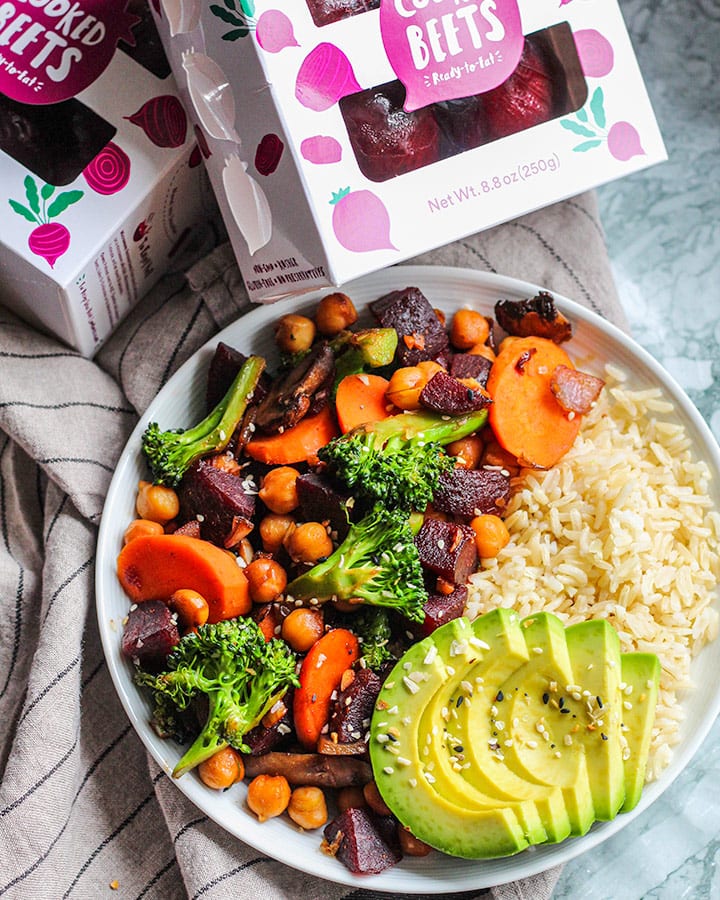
(663,234)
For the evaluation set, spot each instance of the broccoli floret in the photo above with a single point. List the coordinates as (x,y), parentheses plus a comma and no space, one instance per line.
(240,674)
(399,460)
(372,626)
(170,453)
(377,563)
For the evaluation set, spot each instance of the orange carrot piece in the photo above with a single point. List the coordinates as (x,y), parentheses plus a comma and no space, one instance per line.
(296,444)
(361,399)
(320,675)
(154,566)
(525,417)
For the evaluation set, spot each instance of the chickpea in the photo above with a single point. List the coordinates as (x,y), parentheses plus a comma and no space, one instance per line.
(495,455)
(307,807)
(405,386)
(268,796)
(491,535)
(273,530)
(222,769)
(294,333)
(410,845)
(140,527)
(308,543)
(192,608)
(302,627)
(279,490)
(335,313)
(374,799)
(350,798)
(429,368)
(482,350)
(441,317)
(468,451)
(156,502)
(469,327)
(266,579)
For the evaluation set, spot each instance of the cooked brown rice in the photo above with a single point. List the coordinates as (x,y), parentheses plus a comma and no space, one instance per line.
(622,529)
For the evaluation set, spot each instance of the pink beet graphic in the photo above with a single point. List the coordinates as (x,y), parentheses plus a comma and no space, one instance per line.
(360,221)
(163,120)
(321,149)
(49,239)
(109,172)
(274,31)
(324,77)
(624,141)
(595,52)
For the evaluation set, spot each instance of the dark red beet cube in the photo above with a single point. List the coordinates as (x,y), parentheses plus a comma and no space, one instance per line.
(445,394)
(420,332)
(224,366)
(149,635)
(325,12)
(472,492)
(447,549)
(441,608)
(352,709)
(321,500)
(217,500)
(358,844)
(471,365)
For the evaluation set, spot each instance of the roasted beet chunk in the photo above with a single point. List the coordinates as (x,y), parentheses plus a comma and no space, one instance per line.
(224,366)
(472,492)
(291,397)
(352,709)
(575,391)
(537,317)
(353,838)
(447,549)
(321,501)
(265,737)
(217,500)
(421,335)
(441,608)
(150,634)
(445,394)
(471,365)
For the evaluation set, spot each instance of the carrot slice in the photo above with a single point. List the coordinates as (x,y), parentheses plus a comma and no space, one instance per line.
(320,675)
(361,399)
(525,417)
(295,444)
(154,566)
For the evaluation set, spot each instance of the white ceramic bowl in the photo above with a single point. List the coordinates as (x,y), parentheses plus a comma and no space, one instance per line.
(179,404)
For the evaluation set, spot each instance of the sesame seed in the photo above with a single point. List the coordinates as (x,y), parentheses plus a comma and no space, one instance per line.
(388,770)
(532,744)
(537,650)
(567,740)
(499,697)
(402,761)
(411,685)
(431,654)
(627,704)
(476,642)
(412,782)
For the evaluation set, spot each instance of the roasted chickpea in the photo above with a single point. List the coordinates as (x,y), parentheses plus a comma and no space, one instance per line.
(405,386)
(192,608)
(374,799)
(222,769)
(334,314)
(469,327)
(279,490)
(429,367)
(294,333)
(302,627)
(268,796)
(266,579)
(468,451)
(308,543)
(273,530)
(410,845)
(491,535)
(140,527)
(307,807)
(156,502)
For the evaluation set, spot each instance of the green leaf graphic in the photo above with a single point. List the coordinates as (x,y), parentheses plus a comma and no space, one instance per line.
(236,33)
(597,108)
(31,192)
(47,191)
(582,114)
(232,18)
(24,212)
(248,7)
(62,201)
(587,145)
(577,128)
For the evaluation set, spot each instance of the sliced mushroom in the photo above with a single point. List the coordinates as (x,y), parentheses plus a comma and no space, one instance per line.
(318,769)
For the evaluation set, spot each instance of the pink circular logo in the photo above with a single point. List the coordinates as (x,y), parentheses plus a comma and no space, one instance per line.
(50,50)
(446,49)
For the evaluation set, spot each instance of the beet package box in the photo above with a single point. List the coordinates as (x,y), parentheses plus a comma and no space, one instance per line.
(101,181)
(342,136)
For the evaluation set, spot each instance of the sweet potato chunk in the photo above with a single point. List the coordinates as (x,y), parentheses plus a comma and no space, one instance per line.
(533,318)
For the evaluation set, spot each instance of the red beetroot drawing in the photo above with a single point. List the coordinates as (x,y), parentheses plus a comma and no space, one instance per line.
(622,138)
(325,76)
(49,239)
(360,221)
(268,154)
(163,120)
(109,172)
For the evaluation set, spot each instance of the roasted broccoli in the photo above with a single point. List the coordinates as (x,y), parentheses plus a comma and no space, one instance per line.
(240,674)
(170,453)
(372,626)
(377,563)
(398,461)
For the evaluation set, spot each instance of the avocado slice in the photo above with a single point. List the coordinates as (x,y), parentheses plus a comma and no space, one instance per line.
(641,676)
(405,779)
(594,649)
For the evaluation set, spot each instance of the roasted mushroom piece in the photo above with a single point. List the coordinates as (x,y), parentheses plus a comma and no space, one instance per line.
(536,317)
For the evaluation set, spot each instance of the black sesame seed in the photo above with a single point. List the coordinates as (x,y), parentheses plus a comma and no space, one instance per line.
(391,736)
(500,696)
(561,702)
(565,711)
(459,749)
(546,697)
(459,700)
(603,736)
(599,702)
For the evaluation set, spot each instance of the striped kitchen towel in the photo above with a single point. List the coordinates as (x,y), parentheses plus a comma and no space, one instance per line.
(84,813)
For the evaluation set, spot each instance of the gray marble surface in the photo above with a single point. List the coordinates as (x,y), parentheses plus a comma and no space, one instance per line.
(663,233)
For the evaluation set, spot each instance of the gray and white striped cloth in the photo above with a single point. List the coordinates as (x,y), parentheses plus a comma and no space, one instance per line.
(84,812)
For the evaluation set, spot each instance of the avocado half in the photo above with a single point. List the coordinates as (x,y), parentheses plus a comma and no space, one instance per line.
(492,736)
